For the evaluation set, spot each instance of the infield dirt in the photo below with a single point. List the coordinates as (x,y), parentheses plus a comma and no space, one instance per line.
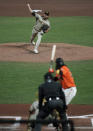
(80,114)
(23,52)
(55,7)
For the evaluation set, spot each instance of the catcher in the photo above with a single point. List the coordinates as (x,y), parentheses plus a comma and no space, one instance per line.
(42,26)
(33,112)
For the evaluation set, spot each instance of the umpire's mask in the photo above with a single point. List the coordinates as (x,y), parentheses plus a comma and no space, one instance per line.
(48,76)
(59,63)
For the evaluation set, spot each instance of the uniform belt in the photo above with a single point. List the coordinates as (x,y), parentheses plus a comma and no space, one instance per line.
(56,98)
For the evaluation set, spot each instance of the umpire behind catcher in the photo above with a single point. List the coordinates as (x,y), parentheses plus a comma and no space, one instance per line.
(52,92)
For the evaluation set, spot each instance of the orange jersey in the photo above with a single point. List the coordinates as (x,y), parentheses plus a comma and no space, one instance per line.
(67,80)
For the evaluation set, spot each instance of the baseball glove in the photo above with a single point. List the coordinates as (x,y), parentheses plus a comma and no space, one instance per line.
(45,28)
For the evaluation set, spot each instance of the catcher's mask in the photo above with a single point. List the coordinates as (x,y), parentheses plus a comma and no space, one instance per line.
(48,76)
(59,63)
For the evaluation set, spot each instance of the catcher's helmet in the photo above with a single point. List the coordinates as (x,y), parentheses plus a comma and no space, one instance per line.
(59,63)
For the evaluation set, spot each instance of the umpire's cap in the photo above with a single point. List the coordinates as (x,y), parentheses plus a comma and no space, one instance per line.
(46,13)
(59,63)
(48,75)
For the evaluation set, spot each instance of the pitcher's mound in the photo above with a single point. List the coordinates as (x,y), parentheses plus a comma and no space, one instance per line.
(24,52)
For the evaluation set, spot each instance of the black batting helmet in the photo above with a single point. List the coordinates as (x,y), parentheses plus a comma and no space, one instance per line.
(59,63)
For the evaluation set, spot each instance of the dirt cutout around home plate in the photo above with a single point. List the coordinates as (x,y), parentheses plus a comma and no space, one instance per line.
(82,116)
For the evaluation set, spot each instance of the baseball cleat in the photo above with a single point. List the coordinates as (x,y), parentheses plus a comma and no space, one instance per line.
(33,43)
(35,51)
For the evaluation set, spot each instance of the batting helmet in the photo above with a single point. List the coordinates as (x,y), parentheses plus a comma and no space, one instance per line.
(59,63)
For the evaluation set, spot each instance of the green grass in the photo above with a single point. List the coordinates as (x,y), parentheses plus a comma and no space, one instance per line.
(19,81)
(73,30)
(82,71)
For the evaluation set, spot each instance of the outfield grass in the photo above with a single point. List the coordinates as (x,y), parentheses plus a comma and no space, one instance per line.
(73,30)
(19,81)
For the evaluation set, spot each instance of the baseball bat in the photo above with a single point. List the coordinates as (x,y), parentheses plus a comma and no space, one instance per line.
(52,58)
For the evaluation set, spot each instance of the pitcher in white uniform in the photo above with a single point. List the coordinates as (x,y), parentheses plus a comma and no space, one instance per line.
(41,26)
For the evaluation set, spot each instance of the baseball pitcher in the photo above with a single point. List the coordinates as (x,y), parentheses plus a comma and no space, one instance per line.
(42,26)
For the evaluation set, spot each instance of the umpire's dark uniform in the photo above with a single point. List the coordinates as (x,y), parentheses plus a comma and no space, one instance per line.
(55,99)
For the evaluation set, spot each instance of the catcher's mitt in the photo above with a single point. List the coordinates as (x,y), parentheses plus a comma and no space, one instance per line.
(45,28)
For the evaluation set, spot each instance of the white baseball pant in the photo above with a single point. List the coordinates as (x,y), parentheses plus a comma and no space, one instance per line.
(39,37)
(70,94)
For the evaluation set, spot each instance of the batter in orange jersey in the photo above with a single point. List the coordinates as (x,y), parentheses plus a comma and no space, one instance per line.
(64,75)
(66,80)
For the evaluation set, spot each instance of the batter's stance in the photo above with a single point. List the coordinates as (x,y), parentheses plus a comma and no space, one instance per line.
(42,26)
(64,75)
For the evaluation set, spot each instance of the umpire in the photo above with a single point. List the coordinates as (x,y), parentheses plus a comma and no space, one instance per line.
(52,92)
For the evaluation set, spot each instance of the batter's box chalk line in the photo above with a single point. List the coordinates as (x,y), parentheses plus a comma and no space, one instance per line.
(15,125)
(92,121)
(84,128)
(82,116)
